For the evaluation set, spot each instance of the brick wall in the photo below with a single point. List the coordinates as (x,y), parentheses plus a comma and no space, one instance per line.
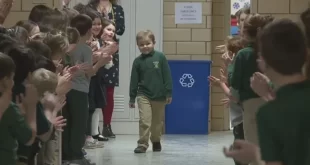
(280,8)
(197,42)
(21,9)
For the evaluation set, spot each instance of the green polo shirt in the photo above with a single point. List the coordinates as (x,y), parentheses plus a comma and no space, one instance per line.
(43,125)
(244,67)
(13,128)
(151,77)
(284,126)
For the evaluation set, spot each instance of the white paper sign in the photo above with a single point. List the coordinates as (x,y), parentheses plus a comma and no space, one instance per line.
(188,13)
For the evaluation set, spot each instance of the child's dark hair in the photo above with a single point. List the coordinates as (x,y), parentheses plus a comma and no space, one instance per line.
(283,47)
(95,3)
(253,24)
(56,20)
(7,66)
(93,15)
(27,24)
(40,49)
(80,7)
(69,13)
(82,23)
(234,44)
(107,22)
(39,12)
(24,60)
(42,55)
(7,43)
(73,35)
(19,33)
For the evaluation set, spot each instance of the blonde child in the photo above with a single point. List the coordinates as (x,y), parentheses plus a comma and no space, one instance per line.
(151,84)
(46,83)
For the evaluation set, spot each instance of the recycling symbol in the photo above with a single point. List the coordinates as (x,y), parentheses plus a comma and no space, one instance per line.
(187,80)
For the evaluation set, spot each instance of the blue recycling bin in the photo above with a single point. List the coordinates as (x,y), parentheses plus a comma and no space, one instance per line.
(189,111)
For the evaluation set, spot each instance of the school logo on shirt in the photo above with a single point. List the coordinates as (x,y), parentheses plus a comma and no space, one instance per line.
(155,64)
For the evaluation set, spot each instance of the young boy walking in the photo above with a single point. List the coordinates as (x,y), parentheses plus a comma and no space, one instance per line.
(151,84)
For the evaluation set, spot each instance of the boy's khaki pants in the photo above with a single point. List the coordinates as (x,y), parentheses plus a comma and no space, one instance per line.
(251,107)
(151,120)
(47,154)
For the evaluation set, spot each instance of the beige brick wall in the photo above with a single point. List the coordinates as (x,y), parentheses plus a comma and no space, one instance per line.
(21,9)
(197,42)
(280,8)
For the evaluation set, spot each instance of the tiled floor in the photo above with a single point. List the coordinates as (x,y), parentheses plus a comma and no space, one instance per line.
(177,150)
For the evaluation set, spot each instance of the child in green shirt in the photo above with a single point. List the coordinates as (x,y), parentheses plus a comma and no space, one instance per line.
(18,122)
(151,83)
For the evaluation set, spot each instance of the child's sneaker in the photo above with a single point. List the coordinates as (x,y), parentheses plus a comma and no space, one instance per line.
(90,144)
(99,144)
(84,152)
(100,138)
(156,146)
(140,149)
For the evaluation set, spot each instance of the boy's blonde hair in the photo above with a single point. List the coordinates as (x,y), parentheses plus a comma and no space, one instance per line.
(145,35)
(45,81)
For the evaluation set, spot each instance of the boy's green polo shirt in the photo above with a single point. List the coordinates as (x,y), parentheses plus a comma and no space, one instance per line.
(151,77)
(13,128)
(244,67)
(43,125)
(284,126)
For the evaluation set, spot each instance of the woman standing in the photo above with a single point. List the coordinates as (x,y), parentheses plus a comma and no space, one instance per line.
(115,13)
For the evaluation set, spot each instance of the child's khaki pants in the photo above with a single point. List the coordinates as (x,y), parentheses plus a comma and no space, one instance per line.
(251,107)
(151,120)
(47,154)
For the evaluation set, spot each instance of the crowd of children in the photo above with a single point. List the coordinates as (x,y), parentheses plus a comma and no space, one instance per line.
(58,70)
(265,76)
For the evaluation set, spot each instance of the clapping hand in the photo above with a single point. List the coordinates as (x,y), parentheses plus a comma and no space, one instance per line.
(259,84)
(64,84)
(221,48)
(53,103)
(110,48)
(226,59)
(243,152)
(104,59)
(225,102)
(214,81)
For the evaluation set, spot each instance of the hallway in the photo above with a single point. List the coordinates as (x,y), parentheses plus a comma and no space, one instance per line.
(177,150)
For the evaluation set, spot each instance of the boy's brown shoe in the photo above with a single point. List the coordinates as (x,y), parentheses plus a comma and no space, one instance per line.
(140,149)
(156,146)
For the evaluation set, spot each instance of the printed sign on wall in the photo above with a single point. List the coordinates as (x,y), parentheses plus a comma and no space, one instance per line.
(188,13)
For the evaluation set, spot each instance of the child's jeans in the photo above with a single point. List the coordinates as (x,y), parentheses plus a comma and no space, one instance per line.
(251,107)
(73,137)
(151,120)
(47,154)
